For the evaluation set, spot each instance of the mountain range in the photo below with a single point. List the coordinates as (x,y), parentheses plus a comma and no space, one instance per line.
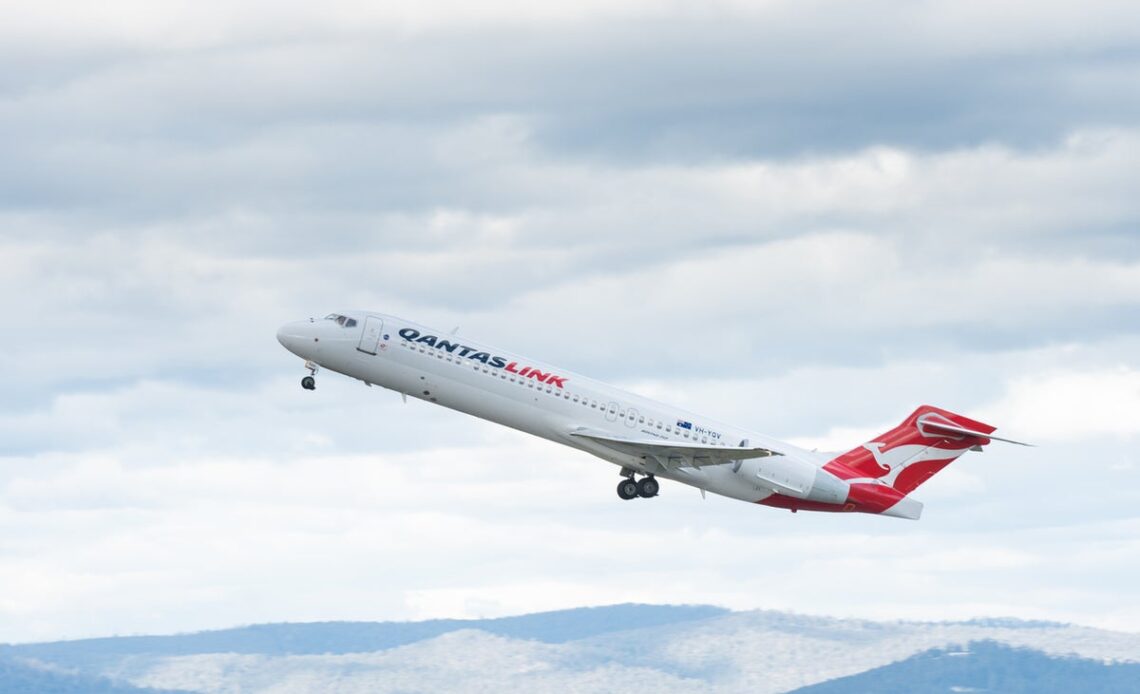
(659,648)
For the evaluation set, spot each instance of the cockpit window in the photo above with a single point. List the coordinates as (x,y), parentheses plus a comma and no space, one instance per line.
(342,321)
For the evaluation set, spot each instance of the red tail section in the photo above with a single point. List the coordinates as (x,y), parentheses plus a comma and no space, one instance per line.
(911,453)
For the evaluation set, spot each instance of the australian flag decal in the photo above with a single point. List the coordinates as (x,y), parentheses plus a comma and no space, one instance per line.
(682,424)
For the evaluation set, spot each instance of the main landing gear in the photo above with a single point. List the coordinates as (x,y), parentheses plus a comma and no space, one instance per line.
(308,382)
(629,488)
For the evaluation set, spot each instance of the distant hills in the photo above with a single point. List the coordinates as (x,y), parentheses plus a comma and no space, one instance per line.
(338,638)
(986,666)
(17,676)
(617,648)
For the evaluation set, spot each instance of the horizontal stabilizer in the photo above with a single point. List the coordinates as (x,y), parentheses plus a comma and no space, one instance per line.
(929,425)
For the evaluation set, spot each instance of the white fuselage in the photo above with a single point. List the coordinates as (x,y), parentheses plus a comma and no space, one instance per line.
(537,398)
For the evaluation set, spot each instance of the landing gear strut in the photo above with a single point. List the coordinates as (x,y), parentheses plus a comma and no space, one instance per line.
(630,488)
(308,382)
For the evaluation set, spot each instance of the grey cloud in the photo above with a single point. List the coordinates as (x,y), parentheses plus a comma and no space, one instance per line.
(793,218)
(367,118)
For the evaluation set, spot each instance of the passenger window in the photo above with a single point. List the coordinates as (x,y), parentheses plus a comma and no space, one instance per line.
(641,420)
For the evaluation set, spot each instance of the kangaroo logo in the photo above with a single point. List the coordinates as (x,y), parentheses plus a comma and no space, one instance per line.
(875,448)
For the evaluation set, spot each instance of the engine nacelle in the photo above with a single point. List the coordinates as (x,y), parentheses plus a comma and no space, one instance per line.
(800,479)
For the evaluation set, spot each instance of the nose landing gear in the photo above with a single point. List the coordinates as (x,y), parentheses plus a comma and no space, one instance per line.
(308,382)
(630,488)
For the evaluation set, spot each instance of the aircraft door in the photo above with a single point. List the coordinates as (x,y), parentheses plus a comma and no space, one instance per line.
(612,412)
(370,336)
(631,418)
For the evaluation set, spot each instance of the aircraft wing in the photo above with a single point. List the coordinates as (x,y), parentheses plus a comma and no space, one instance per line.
(673,454)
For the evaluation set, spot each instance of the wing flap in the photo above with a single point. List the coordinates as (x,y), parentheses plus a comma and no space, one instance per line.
(674,453)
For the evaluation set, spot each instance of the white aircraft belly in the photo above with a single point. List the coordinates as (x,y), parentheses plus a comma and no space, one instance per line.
(467,391)
(461,387)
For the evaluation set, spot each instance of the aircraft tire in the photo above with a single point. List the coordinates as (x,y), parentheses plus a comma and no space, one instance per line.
(648,487)
(309,383)
(627,489)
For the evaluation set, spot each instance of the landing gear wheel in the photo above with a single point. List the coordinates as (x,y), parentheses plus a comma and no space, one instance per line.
(648,487)
(309,383)
(627,489)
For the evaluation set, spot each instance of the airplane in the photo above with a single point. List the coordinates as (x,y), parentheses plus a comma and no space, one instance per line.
(646,439)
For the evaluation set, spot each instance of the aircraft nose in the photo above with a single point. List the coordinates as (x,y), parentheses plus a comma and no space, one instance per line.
(283,336)
(291,336)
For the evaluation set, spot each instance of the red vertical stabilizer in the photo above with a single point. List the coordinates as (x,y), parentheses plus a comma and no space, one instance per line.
(911,453)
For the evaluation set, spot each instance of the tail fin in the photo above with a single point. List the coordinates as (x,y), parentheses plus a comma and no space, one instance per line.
(911,453)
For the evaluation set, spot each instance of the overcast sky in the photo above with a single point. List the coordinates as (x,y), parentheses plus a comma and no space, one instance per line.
(805,218)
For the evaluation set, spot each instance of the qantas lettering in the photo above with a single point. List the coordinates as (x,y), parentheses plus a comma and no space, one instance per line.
(413,335)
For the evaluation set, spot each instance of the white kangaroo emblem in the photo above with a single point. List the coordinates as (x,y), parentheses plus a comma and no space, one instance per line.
(876,451)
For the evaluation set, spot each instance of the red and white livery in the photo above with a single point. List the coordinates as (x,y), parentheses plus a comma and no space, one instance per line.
(645,438)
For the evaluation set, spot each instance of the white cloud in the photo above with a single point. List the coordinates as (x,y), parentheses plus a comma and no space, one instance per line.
(601,191)
(1074,405)
(194,294)
(484,531)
